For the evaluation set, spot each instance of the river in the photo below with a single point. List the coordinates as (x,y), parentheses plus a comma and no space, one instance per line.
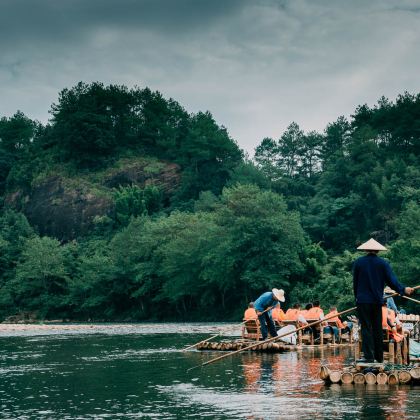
(139,371)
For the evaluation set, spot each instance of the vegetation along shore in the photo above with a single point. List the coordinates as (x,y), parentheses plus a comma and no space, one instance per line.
(125,207)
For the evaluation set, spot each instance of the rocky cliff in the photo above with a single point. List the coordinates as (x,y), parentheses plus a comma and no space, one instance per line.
(67,207)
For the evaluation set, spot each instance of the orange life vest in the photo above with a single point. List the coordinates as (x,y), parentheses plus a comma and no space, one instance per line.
(390,314)
(277,314)
(335,319)
(292,314)
(250,314)
(385,318)
(314,313)
(392,317)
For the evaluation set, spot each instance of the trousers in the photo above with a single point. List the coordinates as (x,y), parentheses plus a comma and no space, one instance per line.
(266,323)
(370,318)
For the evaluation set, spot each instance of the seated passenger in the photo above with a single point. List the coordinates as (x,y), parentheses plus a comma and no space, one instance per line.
(305,311)
(343,326)
(388,323)
(315,313)
(278,314)
(250,313)
(294,314)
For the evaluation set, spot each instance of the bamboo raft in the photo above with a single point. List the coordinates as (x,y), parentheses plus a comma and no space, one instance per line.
(241,344)
(379,374)
(263,347)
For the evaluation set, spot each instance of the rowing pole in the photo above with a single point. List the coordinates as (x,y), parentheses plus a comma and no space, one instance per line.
(258,343)
(225,329)
(409,298)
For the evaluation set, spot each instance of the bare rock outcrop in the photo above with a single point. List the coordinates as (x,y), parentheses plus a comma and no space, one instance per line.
(66,208)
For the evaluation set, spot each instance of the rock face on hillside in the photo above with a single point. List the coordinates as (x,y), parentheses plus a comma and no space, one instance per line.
(67,208)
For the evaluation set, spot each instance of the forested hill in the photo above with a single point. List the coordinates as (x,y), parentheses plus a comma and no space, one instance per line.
(126,207)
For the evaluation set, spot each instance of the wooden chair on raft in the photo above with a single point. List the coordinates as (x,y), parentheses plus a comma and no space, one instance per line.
(347,336)
(303,336)
(329,337)
(394,352)
(251,330)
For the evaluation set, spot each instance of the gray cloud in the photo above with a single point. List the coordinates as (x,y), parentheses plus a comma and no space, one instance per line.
(256,65)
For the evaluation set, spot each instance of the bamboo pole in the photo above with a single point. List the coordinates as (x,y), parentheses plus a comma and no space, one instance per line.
(404,377)
(347,377)
(324,373)
(393,379)
(409,298)
(335,376)
(382,378)
(283,335)
(222,331)
(415,373)
(370,378)
(359,378)
(259,343)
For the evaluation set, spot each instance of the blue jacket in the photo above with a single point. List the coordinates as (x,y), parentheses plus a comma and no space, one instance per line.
(264,301)
(370,274)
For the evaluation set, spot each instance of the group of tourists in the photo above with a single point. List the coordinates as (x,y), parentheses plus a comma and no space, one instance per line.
(375,310)
(301,317)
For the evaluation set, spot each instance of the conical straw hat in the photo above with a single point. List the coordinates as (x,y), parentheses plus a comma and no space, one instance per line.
(371,245)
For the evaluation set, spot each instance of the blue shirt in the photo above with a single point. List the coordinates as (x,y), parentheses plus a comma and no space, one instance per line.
(390,303)
(370,274)
(265,301)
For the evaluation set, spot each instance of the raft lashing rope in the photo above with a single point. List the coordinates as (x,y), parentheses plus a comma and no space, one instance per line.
(377,374)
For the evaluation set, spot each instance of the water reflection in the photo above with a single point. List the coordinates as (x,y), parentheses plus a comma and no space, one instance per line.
(144,375)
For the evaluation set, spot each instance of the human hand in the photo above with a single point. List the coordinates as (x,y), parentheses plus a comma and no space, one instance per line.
(408,290)
(259,313)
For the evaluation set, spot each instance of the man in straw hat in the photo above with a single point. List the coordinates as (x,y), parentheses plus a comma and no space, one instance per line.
(265,301)
(370,274)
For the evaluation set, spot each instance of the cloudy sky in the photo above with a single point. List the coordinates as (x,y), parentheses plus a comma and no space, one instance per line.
(257,65)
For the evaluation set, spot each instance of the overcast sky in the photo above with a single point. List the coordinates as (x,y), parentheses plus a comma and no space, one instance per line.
(257,65)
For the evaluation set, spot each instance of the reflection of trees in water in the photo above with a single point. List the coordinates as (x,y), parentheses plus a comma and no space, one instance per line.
(296,375)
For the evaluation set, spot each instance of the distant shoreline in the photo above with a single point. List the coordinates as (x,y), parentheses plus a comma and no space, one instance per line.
(12,329)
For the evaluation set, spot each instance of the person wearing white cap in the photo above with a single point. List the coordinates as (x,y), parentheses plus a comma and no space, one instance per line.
(265,301)
(370,274)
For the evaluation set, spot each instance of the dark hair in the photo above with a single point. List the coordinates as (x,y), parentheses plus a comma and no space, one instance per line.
(315,302)
(309,306)
(250,304)
(296,306)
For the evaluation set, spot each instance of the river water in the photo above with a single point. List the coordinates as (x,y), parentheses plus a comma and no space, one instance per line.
(139,371)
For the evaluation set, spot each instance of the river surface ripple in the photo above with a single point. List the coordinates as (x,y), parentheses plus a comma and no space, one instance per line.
(131,371)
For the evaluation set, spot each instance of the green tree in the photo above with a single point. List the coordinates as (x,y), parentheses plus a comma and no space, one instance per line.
(16,134)
(135,201)
(41,280)
(91,120)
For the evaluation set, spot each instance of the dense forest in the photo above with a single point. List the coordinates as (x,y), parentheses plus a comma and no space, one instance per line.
(126,207)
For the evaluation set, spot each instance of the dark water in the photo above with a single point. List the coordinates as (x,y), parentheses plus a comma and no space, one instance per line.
(140,372)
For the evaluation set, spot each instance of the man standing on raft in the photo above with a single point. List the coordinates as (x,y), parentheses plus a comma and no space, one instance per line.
(370,274)
(265,301)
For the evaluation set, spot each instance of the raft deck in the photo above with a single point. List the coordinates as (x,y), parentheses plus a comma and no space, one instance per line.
(372,374)
(278,347)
